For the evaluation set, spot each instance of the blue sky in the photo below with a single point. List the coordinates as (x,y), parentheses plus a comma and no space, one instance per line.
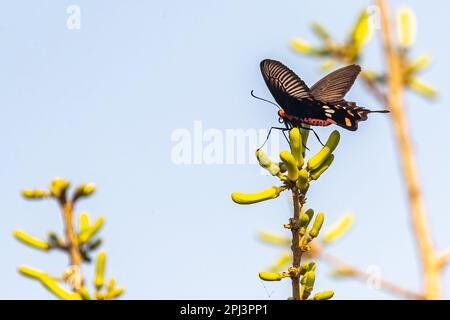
(101,103)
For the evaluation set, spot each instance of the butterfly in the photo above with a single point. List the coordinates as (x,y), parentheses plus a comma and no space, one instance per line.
(321,105)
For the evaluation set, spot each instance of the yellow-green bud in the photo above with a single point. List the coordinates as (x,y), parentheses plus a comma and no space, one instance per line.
(318,222)
(84,293)
(31,241)
(302,182)
(291,164)
(87,234)
(85,190)
(325,295)
(84,221)
(271,276)
(58,187)
(322,168)
(304,220)
(50,283)
(265,162)
(297,146)
(310,213)
(307,266)
(250,198)
(307,282)
(100,270)
(339,228)
(263,159)
(315,162)
(114,294)
(34,194)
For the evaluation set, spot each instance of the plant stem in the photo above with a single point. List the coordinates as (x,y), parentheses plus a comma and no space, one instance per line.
(431,270)
(298,200)
(71,237)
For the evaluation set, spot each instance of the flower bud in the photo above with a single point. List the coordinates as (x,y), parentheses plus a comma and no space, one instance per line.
(315,162)
(250,198)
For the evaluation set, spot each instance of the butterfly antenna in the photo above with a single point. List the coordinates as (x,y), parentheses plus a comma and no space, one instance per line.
(256,97)
(379,111)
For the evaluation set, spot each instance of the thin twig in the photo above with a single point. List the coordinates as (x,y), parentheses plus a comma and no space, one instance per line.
(358,274)
(71,237)
(375,90)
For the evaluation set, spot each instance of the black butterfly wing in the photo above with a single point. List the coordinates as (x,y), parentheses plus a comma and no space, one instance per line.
(345,114)
(334,86)
(286,87)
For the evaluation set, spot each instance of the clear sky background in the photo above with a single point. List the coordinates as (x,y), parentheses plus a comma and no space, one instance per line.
(100,104)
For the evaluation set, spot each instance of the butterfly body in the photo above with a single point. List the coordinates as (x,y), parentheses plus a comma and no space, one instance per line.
(322,105)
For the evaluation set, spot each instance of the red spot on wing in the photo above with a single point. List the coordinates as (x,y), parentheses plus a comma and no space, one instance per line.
(318,122)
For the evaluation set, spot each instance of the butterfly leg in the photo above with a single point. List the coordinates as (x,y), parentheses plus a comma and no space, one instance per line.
(317,136)
(270,131)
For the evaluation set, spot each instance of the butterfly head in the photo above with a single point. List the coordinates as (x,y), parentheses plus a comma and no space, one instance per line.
(281,113)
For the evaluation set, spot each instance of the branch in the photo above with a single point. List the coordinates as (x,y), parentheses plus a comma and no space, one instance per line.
(71,236)
(364,276)
(418,213)
(298,200)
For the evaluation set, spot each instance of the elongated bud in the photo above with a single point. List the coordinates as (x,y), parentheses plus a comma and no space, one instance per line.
(271,238)
(88,233)
(325,295)
(320,31)
(100,270)
(322,168)
(310,214)
(84,221)
(114,294)
(304,220)
(58,187)
(297,146)
(361,34)
(50,283)
(318,222)
(35,194)
(315,162)
(31,241)
(291,165)
(406,27)
(307,266)
(271,276)
(84,293)
(422,87)
(250,198)
(111,285)
(340,228)
(281,263)
(307,282)
(265,162)
(84,190)
(419,64)
(302,47)
(302,182)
